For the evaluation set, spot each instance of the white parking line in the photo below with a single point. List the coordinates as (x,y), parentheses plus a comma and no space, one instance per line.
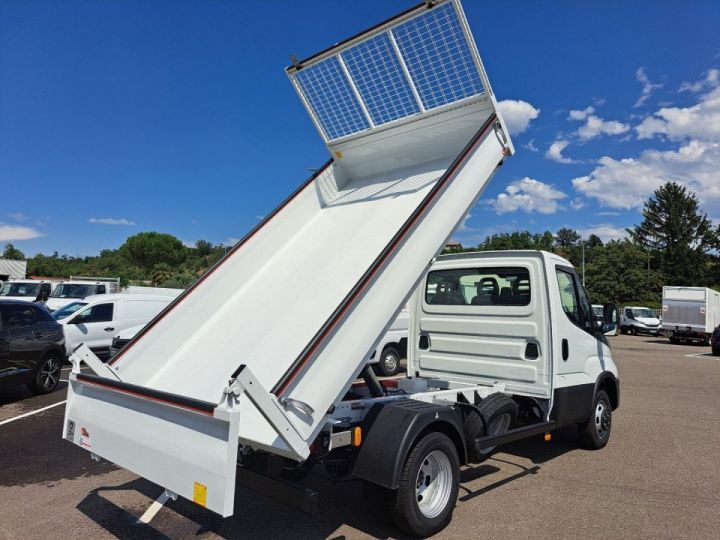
(31,413)
(703,355)
(154,509)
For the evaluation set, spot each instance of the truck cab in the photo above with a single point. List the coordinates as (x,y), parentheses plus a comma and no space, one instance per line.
(28,290)
(78,288)
(517,318)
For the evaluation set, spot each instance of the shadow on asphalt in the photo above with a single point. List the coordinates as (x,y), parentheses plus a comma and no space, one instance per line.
(19,393)
(341,503)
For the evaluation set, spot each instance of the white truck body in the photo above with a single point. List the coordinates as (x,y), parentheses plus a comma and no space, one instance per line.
(249,362)
(690,312)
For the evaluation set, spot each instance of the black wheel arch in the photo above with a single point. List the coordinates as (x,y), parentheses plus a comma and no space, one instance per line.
(609,382)
(392,429)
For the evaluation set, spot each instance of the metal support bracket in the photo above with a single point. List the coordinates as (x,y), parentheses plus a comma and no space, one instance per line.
(83,354)
(244,382)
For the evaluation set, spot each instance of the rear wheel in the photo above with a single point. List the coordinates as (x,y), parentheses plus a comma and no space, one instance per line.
(389,363)
(47,375)
(716,351)
(595,433)
(429,482)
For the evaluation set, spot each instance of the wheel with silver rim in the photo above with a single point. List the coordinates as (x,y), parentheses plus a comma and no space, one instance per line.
(425,499)
(595,433)
(47,375)
(389,363)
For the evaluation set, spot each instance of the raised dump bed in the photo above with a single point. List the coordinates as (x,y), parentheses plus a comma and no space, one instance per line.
(414,134)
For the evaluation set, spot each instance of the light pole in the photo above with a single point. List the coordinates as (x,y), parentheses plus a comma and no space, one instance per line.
(583,263)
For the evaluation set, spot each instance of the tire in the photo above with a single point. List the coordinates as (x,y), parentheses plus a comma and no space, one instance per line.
(429,483)
(633,331)
(595,433)
(716,351)
(499,412)
(47,374)
(389,363)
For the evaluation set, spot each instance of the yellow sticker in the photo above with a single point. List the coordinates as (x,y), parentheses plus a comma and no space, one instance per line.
(338,154)
(200,494)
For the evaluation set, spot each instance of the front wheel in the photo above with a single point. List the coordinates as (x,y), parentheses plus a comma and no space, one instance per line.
(595,433)
(429,484)
(47,375)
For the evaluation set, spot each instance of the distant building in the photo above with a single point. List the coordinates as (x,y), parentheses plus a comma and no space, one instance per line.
(12,269)
(452,246)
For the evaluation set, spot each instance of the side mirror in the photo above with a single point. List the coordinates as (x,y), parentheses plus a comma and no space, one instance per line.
(609,314)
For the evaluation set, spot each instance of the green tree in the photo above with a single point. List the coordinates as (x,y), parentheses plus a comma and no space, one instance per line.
(147,249)
(566,238)
(679,232)
(203,248)
(618,272)
(12,253)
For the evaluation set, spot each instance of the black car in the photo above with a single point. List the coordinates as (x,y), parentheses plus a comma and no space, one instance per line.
(32,346)
(715,341)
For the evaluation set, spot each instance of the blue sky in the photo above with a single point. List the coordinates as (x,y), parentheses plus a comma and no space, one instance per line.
(120,117)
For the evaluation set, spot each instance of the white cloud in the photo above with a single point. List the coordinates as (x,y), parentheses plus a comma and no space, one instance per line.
(627,183)
(110,221)
(711,79)
(16,232)
(605,232)
(581,114)
(577,203)
(595,126)
(531,146)
(701,121)
(517,114)
(231,241)
(464,226)
(648,87)
(19,217)
(529,195)
(555,151)
(607,213)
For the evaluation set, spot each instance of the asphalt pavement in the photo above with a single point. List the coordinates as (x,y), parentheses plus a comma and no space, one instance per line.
(659,477)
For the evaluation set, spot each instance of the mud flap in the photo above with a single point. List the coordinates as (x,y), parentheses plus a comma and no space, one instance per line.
(188,447)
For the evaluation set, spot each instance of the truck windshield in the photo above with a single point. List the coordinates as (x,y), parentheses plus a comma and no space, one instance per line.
(68,310)
(74,290)
(643,312)
(20,289)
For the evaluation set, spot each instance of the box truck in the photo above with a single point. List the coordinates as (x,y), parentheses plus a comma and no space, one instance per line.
(232,384)
(690,313)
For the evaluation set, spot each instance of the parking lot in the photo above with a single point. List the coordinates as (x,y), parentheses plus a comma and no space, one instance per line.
(658,477)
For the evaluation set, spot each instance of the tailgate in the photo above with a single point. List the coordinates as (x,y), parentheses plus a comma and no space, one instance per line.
(187,446)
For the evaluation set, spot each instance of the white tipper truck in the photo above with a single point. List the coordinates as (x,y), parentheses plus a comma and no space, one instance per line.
(233,384)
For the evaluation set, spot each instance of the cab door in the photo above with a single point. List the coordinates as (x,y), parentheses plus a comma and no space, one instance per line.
(580,350)
(94,326)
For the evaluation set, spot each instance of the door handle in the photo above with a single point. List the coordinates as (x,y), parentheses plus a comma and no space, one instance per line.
(565,349)
(109,329)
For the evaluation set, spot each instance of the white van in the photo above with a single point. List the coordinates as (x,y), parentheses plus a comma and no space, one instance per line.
(29,290)
(67,292)
(639,320)
(393,346)
(96,319)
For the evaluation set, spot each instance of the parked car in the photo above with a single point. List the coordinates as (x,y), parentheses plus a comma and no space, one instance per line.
(31,346)
(96,319)
(27,290)
(639,320)
(715,341)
